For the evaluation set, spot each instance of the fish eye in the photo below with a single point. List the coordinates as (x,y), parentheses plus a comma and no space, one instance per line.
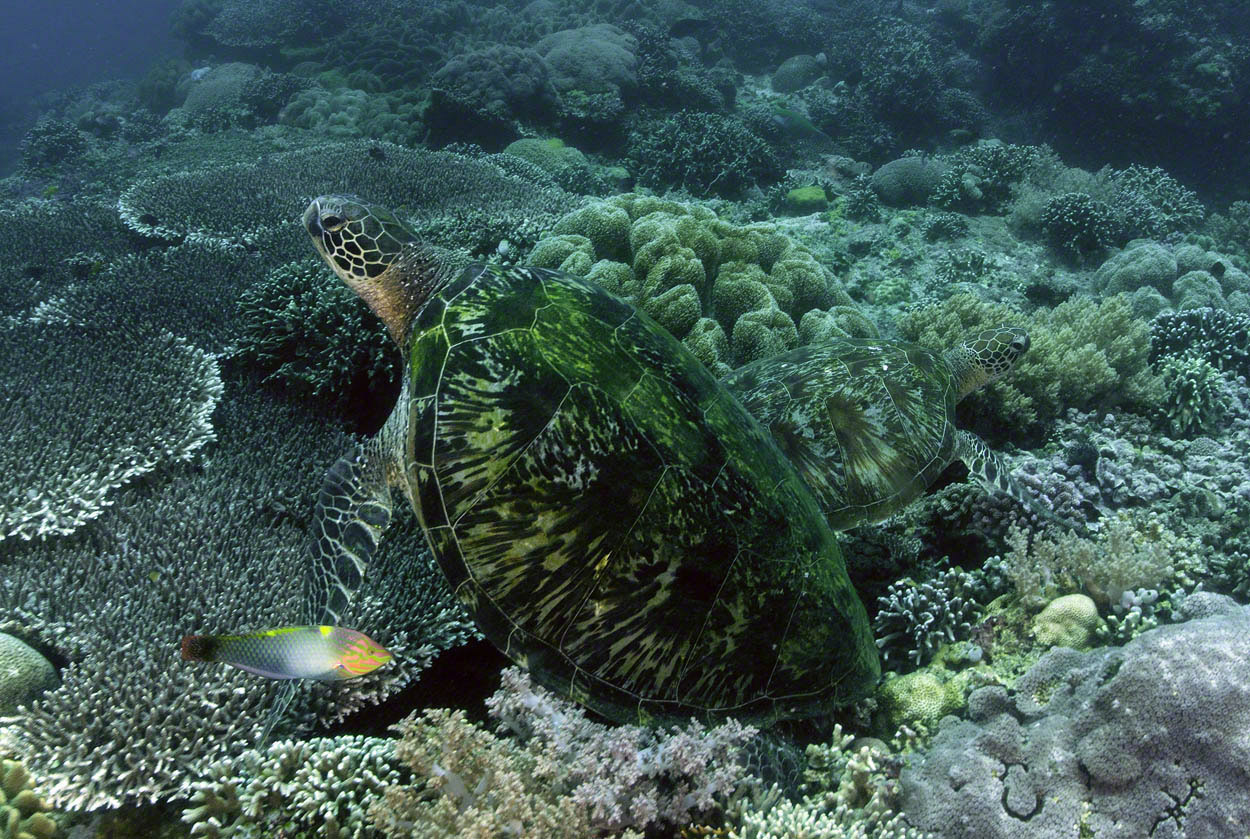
(331,222)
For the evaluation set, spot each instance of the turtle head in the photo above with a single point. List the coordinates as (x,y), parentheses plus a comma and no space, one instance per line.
(987,356)
(376,255)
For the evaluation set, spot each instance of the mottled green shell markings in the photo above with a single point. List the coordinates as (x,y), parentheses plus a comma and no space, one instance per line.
(613,518)
(869,424)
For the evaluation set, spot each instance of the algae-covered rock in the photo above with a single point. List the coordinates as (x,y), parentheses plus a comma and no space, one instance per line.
(804,200)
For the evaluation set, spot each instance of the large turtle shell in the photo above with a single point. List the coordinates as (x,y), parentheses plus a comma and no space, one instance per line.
(612,517)
(869,424)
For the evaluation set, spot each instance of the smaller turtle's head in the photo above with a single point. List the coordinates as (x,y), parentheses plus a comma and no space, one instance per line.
(371,250)
(988,355)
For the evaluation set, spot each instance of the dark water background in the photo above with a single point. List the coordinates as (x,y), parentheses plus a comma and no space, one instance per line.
(53,44)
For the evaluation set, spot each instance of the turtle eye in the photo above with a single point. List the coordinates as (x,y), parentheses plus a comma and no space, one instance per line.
(331,222)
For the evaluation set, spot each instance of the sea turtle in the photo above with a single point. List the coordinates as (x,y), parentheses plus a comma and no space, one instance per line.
(609,514)
(870,423)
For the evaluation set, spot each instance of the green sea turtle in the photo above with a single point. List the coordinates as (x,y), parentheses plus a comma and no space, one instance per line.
(870,423)
(610,515)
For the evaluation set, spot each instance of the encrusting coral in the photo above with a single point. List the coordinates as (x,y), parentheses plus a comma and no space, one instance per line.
(1118,741)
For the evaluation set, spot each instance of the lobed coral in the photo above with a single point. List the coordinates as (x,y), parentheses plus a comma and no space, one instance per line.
(23,813)
(732,293)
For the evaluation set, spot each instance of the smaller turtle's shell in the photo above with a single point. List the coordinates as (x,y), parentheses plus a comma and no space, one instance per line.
(868,423)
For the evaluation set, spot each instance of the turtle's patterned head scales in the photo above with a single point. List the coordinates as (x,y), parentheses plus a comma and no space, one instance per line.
(990,354)
(358,240)
(379,259)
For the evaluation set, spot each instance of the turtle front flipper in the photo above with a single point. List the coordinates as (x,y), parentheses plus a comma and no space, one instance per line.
(353,510)
(988,467)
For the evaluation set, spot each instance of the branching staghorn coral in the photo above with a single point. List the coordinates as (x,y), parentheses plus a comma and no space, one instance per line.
(321,787)
(81,423)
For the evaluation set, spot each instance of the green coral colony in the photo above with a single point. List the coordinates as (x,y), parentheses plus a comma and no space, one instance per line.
(611,516)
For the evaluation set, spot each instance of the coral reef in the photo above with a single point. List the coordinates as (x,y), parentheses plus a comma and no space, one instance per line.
(706,154)
(501,81)
(218,548)
(51,141)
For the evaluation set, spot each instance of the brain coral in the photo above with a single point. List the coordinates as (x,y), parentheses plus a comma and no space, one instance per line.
(24,673)
(733,293)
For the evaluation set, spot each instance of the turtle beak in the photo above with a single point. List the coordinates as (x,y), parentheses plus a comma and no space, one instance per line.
(312,219)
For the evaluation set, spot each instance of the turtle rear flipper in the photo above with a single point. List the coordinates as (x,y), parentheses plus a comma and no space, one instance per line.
(353,510)
(988,467)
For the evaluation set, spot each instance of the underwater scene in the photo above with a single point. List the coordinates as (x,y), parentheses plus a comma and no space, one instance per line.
(664,419)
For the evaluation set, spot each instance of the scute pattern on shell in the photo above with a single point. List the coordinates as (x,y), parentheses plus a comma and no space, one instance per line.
(867,423)
(612,517)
